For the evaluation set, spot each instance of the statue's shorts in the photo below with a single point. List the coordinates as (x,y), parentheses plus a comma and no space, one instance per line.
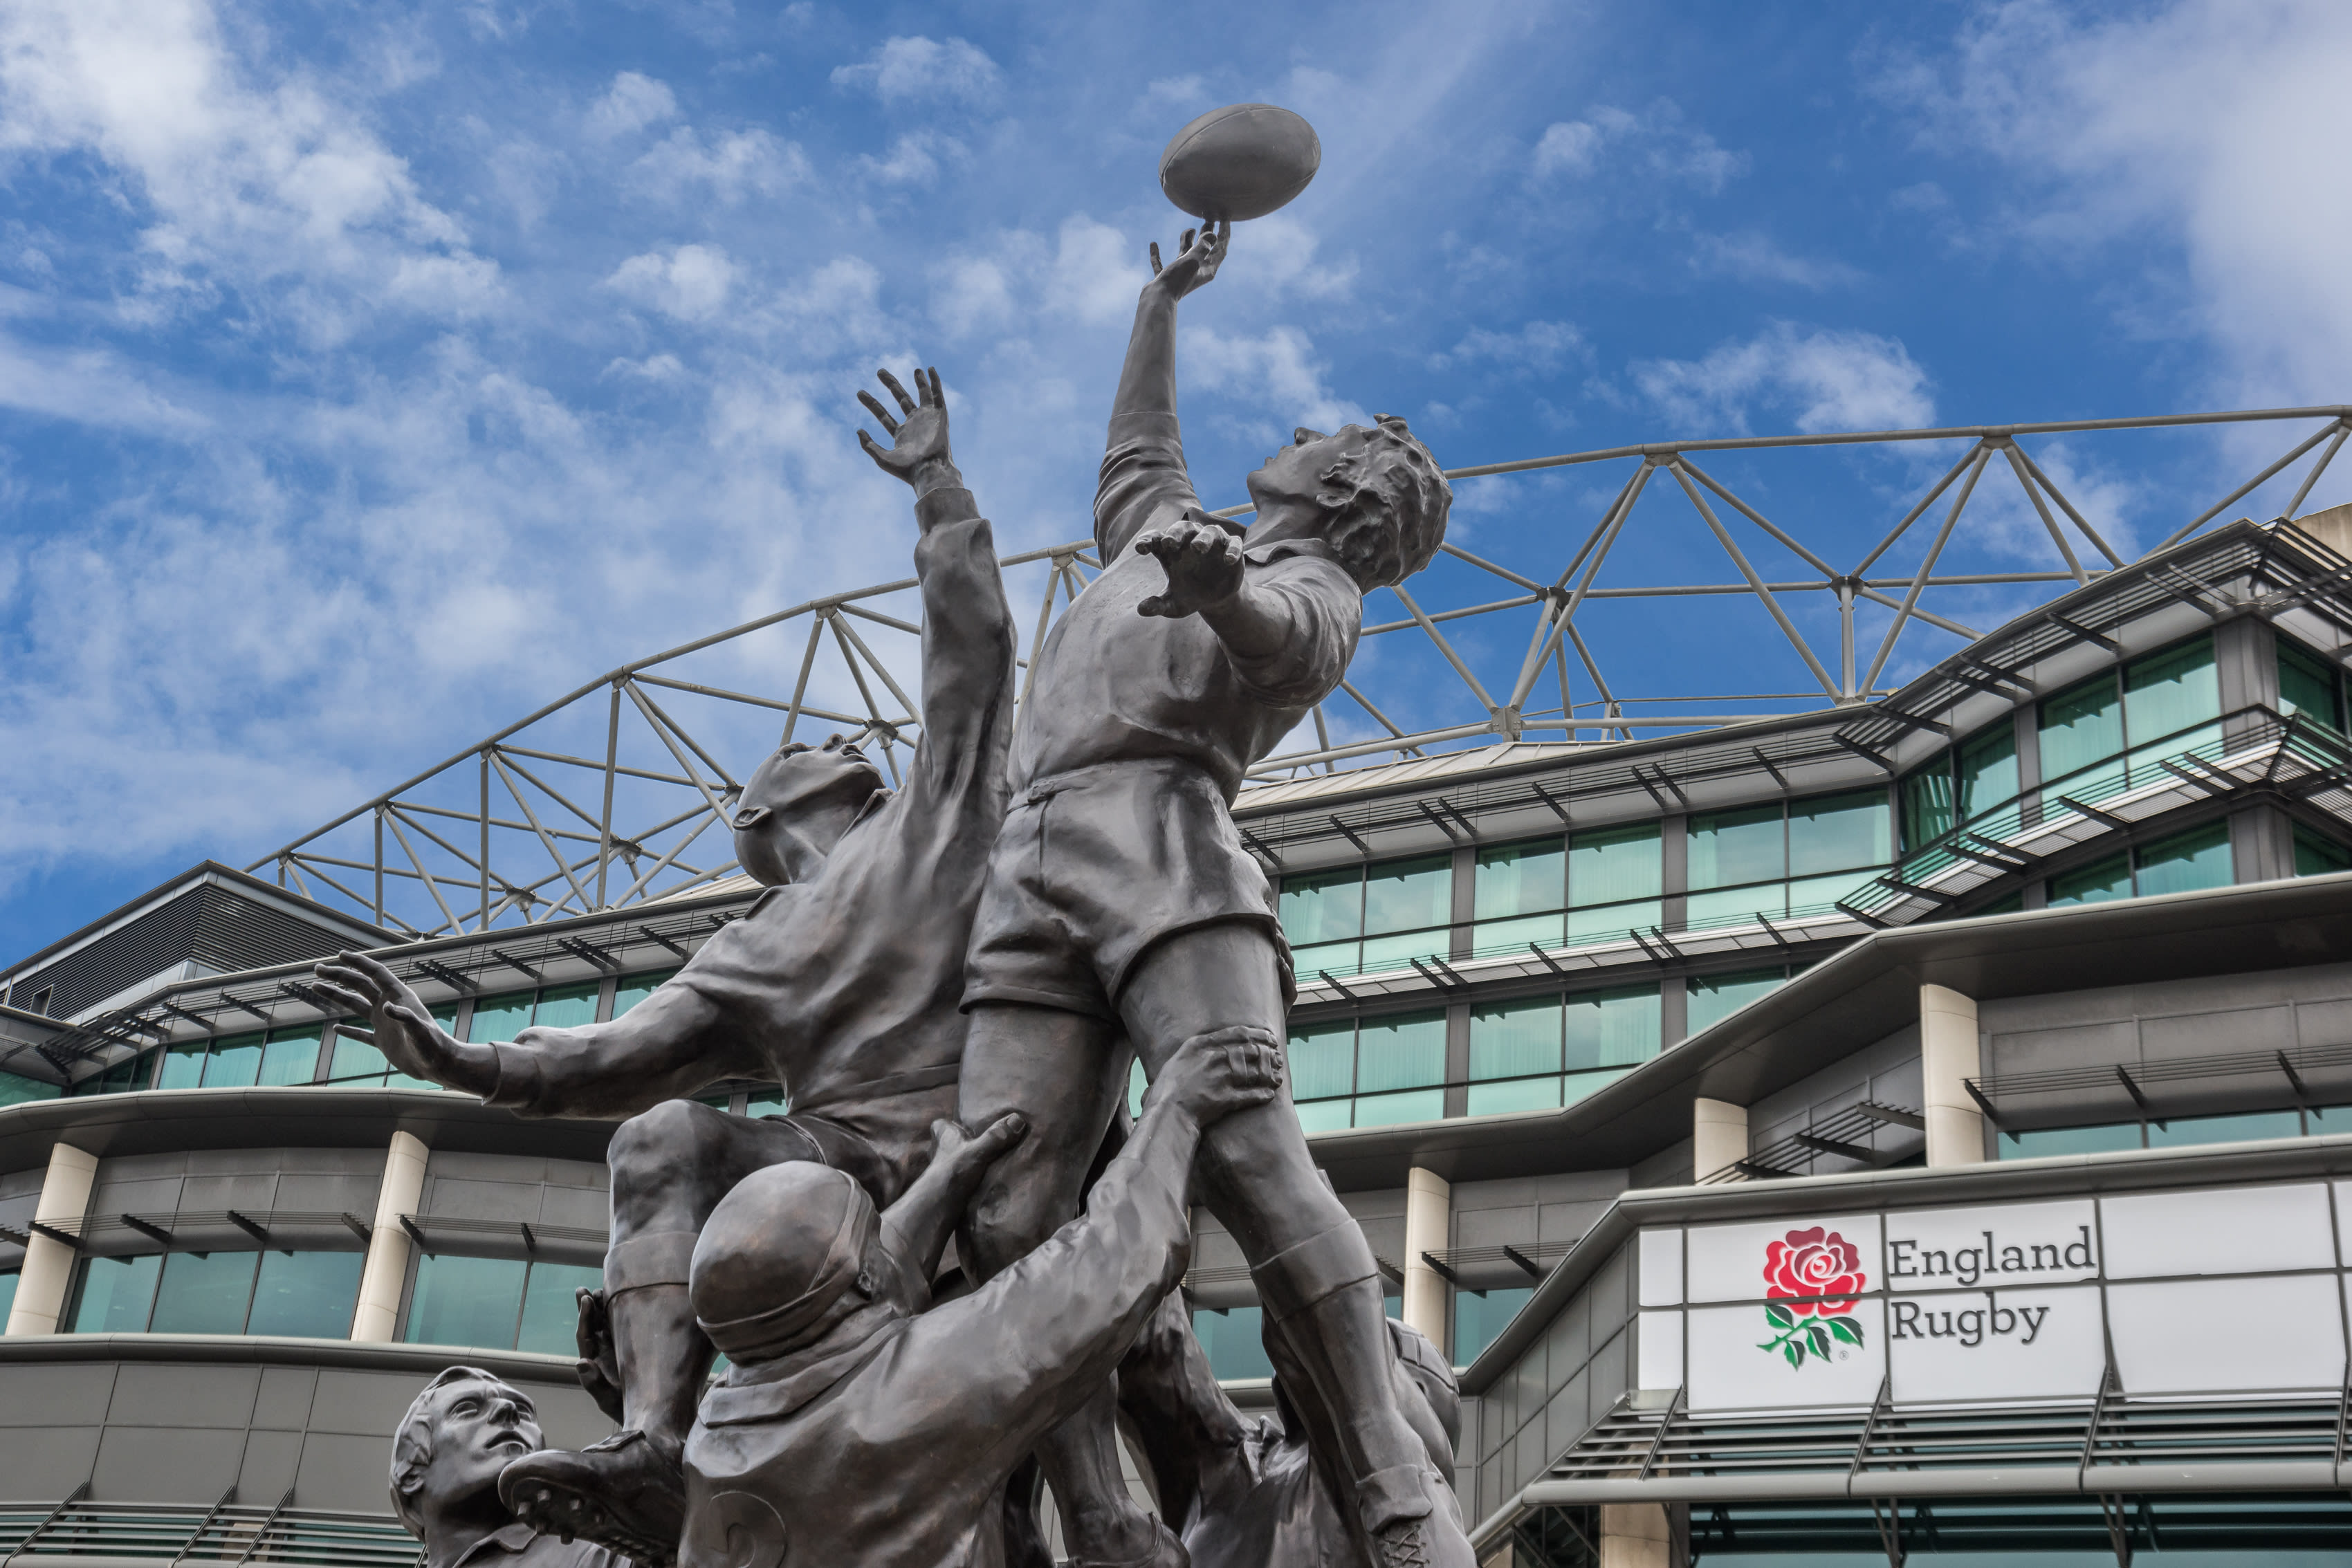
(1094,866)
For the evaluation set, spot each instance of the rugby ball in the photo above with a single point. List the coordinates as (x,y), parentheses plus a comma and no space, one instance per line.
(1240,161)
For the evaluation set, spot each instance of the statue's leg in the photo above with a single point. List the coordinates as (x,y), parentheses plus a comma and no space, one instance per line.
(670,1168)
(1314,1271)
(1064,1071)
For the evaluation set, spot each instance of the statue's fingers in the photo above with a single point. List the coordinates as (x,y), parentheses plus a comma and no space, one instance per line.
(1187,243)
(873,448)
(897,390)
(344,995)
(354,1031)
(935,398)
(1155,258)
(873,406)
(374,968)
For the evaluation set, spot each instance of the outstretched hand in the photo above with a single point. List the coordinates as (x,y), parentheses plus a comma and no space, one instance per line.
(919,436)
(1198,256)
(400,1027)
(1203,563)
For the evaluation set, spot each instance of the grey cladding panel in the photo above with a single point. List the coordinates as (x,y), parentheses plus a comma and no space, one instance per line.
(2032,1051)
(43,1464)
(183,1396)
(369,1403)
(284,1401)
(253,1193)
(344,1472)
(2217,1033)
(36,1396)
(567,1418)
(2323,1023)
(588,1209)
(271,1461)
(468,1199)
(152,1464)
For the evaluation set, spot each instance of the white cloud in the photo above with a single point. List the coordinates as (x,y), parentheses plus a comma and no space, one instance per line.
(1274,373)
(690,283)
(1541,345)
(734,165)
(1177,92)
(1825,380)
(1658,142)
(1753,257)
(920,66)
(2198,141)
(633,102)
(913,159)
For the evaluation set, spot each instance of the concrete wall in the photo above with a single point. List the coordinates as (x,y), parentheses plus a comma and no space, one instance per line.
(164,1430)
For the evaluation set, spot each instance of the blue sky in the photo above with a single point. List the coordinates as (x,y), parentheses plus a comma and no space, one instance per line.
(371,375)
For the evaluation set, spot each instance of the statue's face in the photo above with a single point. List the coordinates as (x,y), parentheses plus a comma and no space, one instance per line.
(790,790)
(1296,473)
(477,1429)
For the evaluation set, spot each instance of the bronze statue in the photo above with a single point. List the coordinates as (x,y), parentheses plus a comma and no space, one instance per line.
(1121,905)
(460,1435)
(842,981)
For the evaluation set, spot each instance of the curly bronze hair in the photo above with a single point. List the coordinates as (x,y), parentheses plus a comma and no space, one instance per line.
(1388,504)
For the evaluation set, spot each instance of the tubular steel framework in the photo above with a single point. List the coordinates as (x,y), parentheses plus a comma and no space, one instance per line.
(608,796)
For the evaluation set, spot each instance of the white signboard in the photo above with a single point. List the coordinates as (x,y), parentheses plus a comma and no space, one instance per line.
(2000,1300)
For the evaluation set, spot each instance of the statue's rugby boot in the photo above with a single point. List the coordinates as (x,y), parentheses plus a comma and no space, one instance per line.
(626,1493)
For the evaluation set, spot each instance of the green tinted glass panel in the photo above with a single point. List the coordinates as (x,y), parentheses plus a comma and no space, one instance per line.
(234,1063)
(635,989)
(2199,858)
(15,1089)
(1322,1061)
(183,1066)
(292,1056)
(1721,996)
(2306,685)
(1610,922)
(1138,1083)
(1988,770)
(7,1293)
(2071,1141)
(1408,895)
(356,1059)
(1513,1094)
(1479,1319)
(307,1294)
(1834,832)
(1611,865)
(204,1293)
(115,1293)
(1388,1110)
(550,1307)
(1323,905)
(1745,845)
(1735,905)
(1404,1052)
(2174,690)
(1326,1115)
(465,1301)
(500,1019)
(2238,1129)
(1577,1085)
(1613,1028)
(1515,1038)
(1234,1339)
(2081,727)
(2317,856)
(1521,879)
(1928,804)
(768,1103)
(565,1007)
(2093,884)
(1819,894)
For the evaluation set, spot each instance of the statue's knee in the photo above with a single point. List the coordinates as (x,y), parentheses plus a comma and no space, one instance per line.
(647,1154)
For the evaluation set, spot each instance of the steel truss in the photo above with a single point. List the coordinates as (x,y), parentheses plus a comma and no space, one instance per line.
(608,796)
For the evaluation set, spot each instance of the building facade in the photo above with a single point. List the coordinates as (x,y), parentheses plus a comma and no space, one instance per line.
(1672,1080)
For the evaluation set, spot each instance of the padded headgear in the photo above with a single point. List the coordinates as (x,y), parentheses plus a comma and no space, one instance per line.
(776,1254)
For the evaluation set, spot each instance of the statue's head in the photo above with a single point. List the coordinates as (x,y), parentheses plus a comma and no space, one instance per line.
(797,804)
(460,1433)
(1378,494)
(790,1255)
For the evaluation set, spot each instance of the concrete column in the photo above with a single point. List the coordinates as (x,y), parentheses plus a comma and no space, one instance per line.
(48,1265)
(386,1269)
(1428,1227)
(1948,1054)
(1718,1136)
(1635,1535)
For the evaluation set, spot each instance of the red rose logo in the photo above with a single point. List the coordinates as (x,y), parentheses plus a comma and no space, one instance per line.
(1813,1273)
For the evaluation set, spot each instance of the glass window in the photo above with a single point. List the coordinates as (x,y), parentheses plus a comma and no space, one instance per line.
(2317,856)
(7,1293)
(116,1294)
(1400,1070)
(1838,832)
(1727,848)
(2308,686)
(1615,878)
(1407,907)
(1988,770)
(501,1017)
(2069,1141)
(2093,884)
(565,1007)
(550,1307)
(2199,858)
(1480,1316)
(1721,996)
(1322,1061)
(1323,906)
(635,989)
(1928,804)
(1235,1339)
(1138,1083)
(1526,880)
(358,1065)
(183,1066)
(234,1063)
(1613,1028)
(15,1089)
(2238,1129)
(1515,1042)
(307,1294)
(292,1055)
(2080,726)
(465,1301)
(768,1103)
(2172,691)
(204,1293)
